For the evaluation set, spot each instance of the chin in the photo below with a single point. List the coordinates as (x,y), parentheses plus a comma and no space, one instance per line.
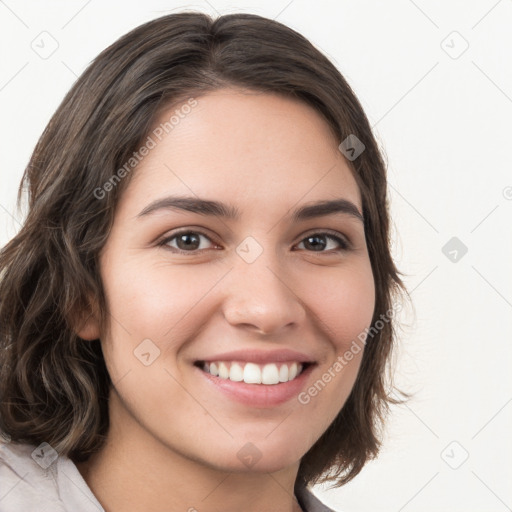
(259,456)
(262,465)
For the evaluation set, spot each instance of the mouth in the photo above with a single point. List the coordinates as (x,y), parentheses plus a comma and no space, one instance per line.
(261,385)
(268,374)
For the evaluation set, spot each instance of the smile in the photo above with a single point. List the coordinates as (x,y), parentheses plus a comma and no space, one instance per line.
(253,373)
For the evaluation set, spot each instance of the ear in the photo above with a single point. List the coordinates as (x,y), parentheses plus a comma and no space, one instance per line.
(89,329)
(86,323)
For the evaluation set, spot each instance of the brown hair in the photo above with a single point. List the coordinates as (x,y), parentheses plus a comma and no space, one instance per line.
(54,385)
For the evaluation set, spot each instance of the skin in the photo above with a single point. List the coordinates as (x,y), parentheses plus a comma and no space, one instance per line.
(173,440)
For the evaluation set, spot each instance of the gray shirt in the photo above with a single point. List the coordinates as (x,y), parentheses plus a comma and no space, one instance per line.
(36,480)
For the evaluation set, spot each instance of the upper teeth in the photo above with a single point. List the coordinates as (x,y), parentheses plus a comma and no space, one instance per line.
(252,373)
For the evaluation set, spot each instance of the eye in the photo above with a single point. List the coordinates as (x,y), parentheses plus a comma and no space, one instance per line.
(317,242)
(188,241)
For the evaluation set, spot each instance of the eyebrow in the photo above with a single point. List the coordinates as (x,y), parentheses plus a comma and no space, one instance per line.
(226,211)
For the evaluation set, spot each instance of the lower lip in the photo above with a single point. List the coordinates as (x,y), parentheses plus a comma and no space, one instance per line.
(259,395)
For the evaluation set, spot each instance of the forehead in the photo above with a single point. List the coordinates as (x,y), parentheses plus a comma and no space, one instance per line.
(243,145)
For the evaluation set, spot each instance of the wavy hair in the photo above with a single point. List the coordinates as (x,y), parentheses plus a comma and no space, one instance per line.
(53,385)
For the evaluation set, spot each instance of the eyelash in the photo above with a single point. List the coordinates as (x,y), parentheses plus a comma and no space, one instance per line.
(344,244)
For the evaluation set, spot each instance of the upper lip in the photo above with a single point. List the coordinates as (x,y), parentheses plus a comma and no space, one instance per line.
(261,356)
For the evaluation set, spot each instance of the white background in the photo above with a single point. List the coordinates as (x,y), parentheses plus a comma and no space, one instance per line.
(444,121)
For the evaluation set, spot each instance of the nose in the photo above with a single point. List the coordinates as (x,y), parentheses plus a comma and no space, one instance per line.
(261,296)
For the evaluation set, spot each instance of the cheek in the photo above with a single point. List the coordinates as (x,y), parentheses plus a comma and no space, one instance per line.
(343,302)
(151,300)
(166,303)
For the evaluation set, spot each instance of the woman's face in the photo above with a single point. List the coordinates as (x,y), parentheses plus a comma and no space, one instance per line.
(250,296)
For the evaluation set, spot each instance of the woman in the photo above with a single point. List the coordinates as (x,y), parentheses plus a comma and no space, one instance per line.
(197,312)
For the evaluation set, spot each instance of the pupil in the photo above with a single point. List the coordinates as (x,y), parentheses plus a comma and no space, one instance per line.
(188,239)
(315,246)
